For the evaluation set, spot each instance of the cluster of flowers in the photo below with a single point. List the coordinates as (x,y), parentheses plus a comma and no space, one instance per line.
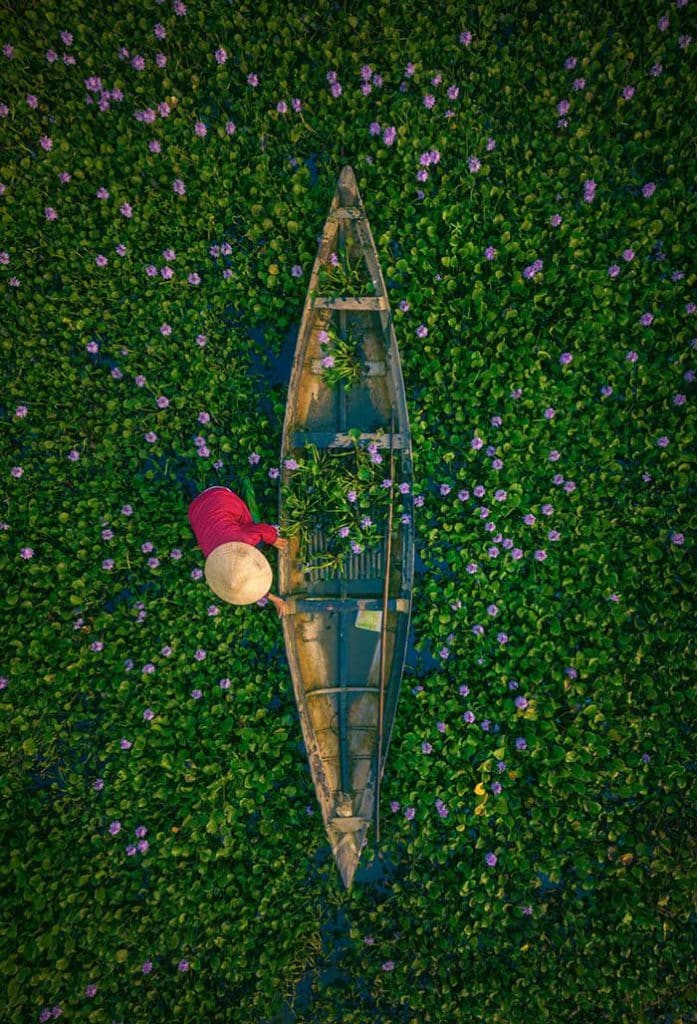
(141,847)
(93,84)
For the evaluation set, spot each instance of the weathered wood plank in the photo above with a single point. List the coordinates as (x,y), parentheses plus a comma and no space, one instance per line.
(349,604)
(329,439)
(376,369)
(343,689)
(343,712)
(365,303)
(347,213)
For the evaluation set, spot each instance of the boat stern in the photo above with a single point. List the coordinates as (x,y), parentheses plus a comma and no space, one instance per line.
(348,189)
(346,836)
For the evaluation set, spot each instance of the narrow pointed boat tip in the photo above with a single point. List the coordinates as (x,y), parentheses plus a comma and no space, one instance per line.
(347,177)
(347,868)
(346,857)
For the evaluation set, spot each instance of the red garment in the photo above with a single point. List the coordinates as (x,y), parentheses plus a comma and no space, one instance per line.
(218,515)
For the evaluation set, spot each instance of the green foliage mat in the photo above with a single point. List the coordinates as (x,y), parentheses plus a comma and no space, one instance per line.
(163,856)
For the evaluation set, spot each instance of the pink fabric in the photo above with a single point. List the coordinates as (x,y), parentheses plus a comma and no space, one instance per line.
(218,516)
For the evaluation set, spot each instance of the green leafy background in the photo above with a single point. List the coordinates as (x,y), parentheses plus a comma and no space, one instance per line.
(587,913)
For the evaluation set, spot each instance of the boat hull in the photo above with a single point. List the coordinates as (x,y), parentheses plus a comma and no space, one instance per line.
(334,633)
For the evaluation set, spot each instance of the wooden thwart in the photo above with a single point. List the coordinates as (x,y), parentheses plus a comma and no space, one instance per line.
(374,369)
(365,302)
(348,604)
(343,689)
(346,213)
(327,439)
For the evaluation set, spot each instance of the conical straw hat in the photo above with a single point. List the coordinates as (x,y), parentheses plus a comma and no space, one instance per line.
(238,573)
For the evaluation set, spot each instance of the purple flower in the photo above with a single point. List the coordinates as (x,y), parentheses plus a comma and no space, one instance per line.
(532,269)
(426,747)
(490,252)
(442,809)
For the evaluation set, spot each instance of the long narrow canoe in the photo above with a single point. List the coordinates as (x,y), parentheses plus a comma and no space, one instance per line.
(342,676)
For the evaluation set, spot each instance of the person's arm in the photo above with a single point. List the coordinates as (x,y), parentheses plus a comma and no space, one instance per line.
(279,604)
(269,534)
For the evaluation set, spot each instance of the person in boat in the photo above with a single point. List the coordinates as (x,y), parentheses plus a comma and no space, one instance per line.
(235,569)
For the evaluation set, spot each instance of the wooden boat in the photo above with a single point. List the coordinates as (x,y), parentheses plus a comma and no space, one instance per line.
(347,677)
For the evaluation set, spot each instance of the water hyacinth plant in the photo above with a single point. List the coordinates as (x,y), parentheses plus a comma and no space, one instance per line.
(341,274)
(342,495)
(340,361)
(528,172)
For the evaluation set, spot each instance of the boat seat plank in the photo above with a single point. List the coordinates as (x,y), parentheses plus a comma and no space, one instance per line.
(350,604)
(375,369)
(354,303)
(327,439)
(343,689)
(347,213)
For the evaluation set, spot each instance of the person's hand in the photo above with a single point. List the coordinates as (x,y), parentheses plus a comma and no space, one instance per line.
(281,543)
(282,608)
